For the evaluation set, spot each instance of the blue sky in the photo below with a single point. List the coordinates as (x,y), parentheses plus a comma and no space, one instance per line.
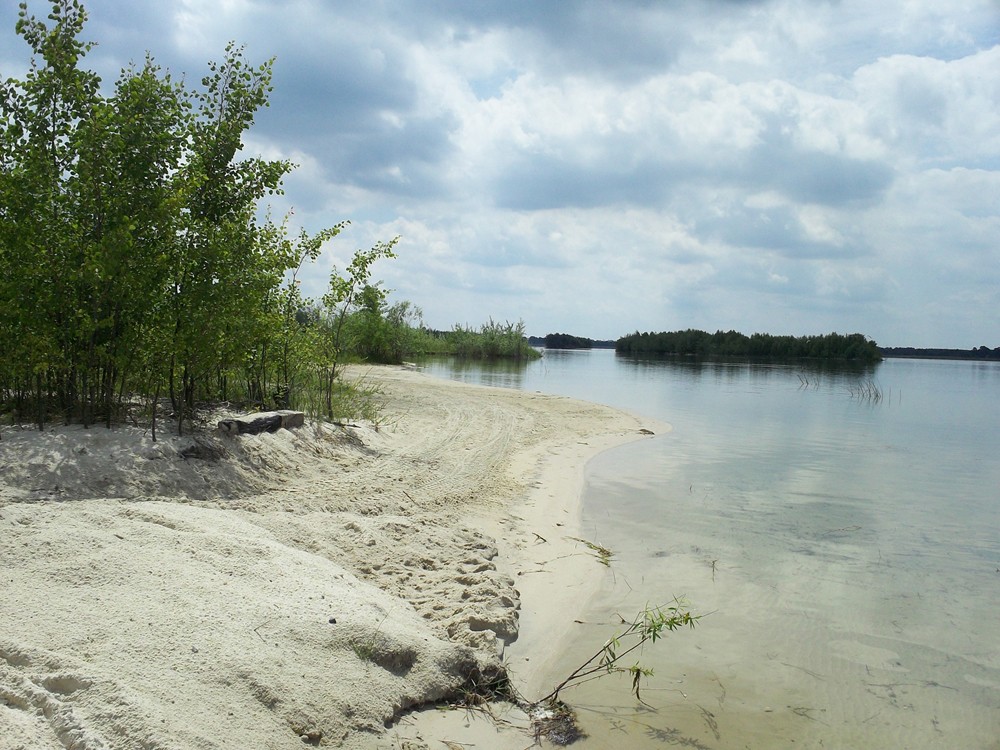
(602,167)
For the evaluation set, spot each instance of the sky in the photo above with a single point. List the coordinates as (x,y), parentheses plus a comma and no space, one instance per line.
(599,168)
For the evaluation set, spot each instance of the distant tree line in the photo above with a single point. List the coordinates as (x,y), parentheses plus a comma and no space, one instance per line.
(566,341)
(980,352)
(697,343)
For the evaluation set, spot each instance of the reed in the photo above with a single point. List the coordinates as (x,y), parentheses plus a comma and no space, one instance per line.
(868,391)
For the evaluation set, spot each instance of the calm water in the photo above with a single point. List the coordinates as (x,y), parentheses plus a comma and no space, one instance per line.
(845,550)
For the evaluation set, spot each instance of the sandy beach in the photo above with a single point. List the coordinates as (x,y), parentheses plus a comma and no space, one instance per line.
(305,587)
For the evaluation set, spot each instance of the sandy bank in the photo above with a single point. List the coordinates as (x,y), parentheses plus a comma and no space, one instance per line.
(296,588)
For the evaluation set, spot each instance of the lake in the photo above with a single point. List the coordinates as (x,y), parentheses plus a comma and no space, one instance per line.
(838,528)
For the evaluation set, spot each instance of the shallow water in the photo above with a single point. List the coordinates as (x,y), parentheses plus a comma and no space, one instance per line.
(844,548)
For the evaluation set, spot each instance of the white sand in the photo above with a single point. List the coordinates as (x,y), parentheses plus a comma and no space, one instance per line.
(290,589)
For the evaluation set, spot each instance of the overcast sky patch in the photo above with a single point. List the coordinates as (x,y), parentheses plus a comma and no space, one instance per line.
(599,168)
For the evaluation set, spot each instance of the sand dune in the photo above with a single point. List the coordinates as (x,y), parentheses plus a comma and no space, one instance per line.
(302,587)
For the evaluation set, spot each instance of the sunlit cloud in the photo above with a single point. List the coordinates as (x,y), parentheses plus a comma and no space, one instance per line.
(599,168)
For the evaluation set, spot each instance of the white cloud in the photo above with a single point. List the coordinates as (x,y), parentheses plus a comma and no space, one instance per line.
(818,225)
(754,165)
(935,111)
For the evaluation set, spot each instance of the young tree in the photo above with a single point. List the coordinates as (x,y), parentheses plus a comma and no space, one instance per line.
(41,253)
(130,149)
(341,297)
(293,332)
(223,267)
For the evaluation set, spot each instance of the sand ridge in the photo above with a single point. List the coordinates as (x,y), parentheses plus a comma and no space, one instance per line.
(288,588)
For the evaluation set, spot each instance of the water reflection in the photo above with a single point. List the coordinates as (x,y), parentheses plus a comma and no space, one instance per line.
(661,387)
(843,551)
(738,367)
(501,373)
(848,548)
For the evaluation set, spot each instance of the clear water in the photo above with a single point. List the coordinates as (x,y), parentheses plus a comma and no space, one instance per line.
(844,548)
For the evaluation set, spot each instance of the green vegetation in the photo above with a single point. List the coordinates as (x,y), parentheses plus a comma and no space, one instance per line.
(599,551)
(649,626)
(556,720)
(132,259)
(619,655)
(732,344)
(492,341)
(568,341)
(135,264)
(390,334)
(367,649)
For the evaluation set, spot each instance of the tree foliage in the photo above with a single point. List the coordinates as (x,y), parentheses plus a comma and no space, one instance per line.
(133,258)
(136,266)
(567,341)
(976,352)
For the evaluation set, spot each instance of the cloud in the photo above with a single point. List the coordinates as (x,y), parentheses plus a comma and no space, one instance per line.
(937,112)
(598,168)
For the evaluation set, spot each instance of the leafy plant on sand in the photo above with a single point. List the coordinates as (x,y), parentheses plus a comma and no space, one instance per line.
(649,626)
(618,655)
(344,292)
(556,720)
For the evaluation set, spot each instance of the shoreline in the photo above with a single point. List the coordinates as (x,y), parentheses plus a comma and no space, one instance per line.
(557,578)
(305,586)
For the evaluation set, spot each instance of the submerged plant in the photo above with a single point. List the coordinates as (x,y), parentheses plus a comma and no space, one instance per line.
(602,553)
(867,390)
